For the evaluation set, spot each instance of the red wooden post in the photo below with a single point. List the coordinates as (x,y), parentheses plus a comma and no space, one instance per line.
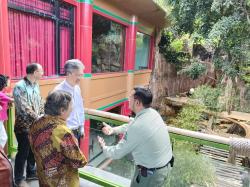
(84,145)
(86,11)
(4,39)
(77,32)
(125,109)
(86,17)
(131,45)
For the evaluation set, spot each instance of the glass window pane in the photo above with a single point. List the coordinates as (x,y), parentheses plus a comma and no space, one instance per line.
(31,40)
(108,45)
(95,152)
(33,33)
(142,51)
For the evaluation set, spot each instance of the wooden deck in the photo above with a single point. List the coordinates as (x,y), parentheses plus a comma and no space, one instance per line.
(228,175)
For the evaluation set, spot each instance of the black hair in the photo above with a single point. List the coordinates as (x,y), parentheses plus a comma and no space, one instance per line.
(144,96)
(3,81)
(56,101)
(31,68)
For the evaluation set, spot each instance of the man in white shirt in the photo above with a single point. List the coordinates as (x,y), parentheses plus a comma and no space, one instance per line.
(147,138)
(74,71)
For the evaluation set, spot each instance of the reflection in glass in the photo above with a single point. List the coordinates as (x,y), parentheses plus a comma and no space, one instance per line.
(123,167)
(108,45)
(142,51)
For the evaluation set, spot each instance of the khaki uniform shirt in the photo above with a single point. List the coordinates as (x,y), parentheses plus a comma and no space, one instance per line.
(146,137)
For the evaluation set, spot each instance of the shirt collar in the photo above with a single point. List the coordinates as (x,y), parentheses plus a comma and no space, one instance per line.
(141,112)
(68,85)
(28,82)
(57,118)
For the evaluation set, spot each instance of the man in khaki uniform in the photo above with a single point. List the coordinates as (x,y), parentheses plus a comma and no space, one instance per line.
(147,138)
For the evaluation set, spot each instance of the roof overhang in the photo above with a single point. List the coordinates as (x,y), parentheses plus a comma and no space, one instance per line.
(146,10)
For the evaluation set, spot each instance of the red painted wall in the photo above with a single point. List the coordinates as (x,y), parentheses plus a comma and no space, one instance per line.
(4,39)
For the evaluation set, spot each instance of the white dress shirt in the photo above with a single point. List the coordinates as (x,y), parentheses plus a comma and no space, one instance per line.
(76,118)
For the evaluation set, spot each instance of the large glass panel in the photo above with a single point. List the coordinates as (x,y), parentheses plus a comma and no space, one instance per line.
(142,51)
(96,156)
(108,45)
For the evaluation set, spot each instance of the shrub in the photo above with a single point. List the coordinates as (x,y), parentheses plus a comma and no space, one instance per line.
(188,117)
(190,168)
(208,96)
(194,70)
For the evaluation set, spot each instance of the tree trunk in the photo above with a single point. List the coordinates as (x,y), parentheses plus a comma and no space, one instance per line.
(229,94)
(242,93)
(157,77)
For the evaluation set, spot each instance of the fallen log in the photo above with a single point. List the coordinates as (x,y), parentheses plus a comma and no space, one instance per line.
(245,126)
(176,101)
(237,115)
(182,101)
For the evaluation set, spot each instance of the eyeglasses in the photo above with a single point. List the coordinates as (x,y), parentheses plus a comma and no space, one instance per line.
(78,74)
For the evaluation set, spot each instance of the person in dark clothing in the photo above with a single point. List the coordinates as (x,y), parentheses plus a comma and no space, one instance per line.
(28,107)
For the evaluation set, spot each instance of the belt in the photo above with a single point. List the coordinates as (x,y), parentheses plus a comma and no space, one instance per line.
(149,171)
(144,169)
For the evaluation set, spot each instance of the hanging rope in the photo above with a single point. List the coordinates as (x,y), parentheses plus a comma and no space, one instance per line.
(238,146)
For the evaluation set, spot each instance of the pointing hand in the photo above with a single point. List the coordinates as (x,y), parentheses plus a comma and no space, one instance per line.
(107,130)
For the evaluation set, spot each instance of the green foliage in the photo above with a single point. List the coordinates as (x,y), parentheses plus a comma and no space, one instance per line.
(223,27)
(161,3)
(237,107)
(188,117)
(208,97)
(190,168)
(194,70)
(245,72)
(246,78)
(177,45)
(230,69)
(172,49)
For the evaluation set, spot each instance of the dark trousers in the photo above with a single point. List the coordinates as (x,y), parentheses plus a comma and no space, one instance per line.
(24,154)
(77,135)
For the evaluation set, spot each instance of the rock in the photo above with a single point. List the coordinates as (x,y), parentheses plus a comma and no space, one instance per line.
(167,111)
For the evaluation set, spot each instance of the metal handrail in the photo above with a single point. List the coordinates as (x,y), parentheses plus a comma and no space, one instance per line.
(176,133)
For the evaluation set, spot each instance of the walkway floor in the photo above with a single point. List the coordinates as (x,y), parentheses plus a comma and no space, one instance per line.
(98,173)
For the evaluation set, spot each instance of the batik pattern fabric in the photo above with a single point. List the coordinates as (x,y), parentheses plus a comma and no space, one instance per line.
(56,152)
(29,105)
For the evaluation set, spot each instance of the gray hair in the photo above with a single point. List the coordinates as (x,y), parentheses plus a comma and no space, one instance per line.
(72,64)
(56,101)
